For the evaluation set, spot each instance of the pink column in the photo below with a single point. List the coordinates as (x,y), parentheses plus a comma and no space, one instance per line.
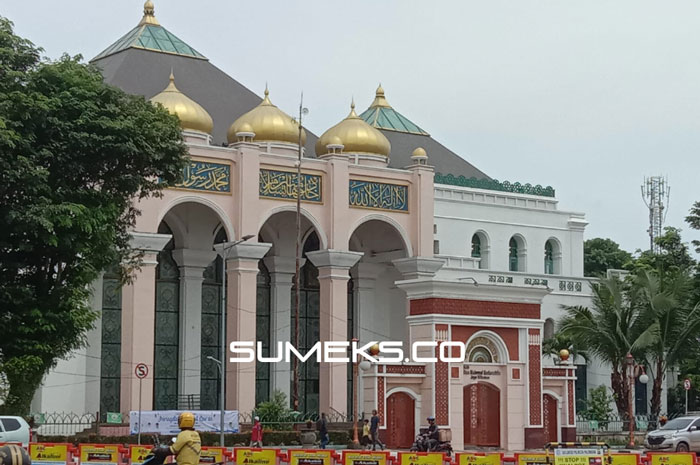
(333,275)
(242,271)
(138,323)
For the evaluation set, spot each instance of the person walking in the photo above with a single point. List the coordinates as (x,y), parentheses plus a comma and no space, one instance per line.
(374,430)
(366,440)
(322,427)
(256,436)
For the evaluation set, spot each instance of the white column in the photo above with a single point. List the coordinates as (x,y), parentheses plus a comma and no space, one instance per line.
(282,271)
(365,281)
(192,264)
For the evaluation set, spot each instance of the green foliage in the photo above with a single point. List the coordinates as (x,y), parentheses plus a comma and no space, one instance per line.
(274,413)
(599,400)
(674,257)
(693,219)
(600,255)
(75,153)
(559,341)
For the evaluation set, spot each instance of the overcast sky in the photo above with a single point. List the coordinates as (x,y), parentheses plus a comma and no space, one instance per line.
(588,97)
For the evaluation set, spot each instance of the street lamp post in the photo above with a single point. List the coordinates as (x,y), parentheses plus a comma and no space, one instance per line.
(634,370)
(223,250)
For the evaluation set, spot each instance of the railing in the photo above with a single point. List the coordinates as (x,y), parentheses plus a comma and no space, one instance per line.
(64,423)
(614,424)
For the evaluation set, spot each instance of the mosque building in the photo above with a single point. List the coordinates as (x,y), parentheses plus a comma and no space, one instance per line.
(403,240)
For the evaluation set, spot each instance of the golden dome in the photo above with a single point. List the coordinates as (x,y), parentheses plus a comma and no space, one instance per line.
(269,123)
(192,115)
(419,152)
(335,140)
(357,137)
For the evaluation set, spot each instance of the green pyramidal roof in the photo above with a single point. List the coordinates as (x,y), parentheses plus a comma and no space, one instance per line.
(382,116)
(150,35)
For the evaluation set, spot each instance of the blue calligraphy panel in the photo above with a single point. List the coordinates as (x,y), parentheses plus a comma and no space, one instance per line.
(377,195)
(283,185)
(206,176)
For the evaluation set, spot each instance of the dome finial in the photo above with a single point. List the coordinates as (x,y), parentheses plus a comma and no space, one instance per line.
(266,100)
(149,15)
(172,75)
(379,99)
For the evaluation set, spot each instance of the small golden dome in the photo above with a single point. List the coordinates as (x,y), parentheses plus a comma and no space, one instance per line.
(419,152)
(192,115)
(245,127)
(269,123)
(149,14)
(335,140)
(357,137)
(379,99)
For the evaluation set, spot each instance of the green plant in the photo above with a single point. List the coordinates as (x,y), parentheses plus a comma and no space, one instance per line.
(275,412)
(599,406)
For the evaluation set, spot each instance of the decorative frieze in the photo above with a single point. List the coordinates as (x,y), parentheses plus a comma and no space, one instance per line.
(570,286)
(207,176)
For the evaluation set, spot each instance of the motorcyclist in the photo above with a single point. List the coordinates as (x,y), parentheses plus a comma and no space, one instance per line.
(432,437)
(188,445)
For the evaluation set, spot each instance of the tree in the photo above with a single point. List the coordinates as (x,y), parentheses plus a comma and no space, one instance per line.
(663,306)
(600,255)
(610,330)
(693,219)
(673,257)
(77,155)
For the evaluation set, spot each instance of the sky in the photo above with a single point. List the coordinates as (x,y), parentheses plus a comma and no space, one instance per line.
(588,97)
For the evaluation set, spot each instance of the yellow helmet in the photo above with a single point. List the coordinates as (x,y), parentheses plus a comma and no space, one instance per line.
(185,420)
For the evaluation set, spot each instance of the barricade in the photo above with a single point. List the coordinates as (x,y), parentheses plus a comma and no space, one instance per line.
(478,458)
(101,454)
(311,457)
(422,458)
(366,457)
(51,453)
(538,458)
(671,458)
(138,454)
(213,455)
(629,458)
(256,456)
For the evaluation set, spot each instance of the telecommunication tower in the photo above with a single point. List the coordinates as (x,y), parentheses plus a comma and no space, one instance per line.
(656,192)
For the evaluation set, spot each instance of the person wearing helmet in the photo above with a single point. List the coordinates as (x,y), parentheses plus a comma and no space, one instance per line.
(432,435)
(188,445)
(13,454)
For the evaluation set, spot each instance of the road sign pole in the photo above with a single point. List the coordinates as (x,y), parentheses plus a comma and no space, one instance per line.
(687,386)
(140,383)
(686,401)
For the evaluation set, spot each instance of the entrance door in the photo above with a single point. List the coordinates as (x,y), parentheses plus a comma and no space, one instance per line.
(400,421)
(482,415)
(551,413)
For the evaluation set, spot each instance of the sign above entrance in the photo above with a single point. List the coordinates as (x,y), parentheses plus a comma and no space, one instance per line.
(282,185)
(201,175)
(578,456)
(480,373)
(378,196)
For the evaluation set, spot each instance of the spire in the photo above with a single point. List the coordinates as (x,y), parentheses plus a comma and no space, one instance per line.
(379,99)
(149,16)
(266,100)
(352,109)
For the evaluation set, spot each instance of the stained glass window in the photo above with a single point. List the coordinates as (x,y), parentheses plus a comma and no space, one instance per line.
(211,336)
(110,370)
(513,254)
(262,330)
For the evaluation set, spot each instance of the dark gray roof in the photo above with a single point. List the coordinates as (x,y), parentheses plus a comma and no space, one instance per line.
(443,159)
(145,72)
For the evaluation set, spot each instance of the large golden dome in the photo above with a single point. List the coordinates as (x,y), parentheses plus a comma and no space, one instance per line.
(192,115)
(269,123)
(356,135)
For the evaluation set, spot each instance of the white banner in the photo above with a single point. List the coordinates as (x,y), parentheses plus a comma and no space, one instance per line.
(165,421)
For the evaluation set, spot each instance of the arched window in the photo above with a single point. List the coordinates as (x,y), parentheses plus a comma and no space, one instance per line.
(476,246)
(548,328)
(480,354)
(548,258)
(513,255)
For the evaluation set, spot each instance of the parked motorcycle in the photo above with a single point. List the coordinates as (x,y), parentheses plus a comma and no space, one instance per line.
(158,454)
(422,444)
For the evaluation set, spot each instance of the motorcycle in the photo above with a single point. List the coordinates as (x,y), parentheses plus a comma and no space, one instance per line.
(422,444)
(157,455)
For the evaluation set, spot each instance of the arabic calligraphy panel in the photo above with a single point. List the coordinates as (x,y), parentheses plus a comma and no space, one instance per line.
(378,196)
(206,176)
(283,185)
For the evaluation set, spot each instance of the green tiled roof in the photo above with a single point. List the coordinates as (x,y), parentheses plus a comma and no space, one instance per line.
(390,119)
(151,37)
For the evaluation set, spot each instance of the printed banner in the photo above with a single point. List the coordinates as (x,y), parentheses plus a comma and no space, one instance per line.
(247,456)
(673,459)
(364,458)
(211,455)
(99,455)
(578,457)
(625,459)
(138,454)
(309,457)
(417,458)
(474,459)
(531,459)
(48,454)
(165,421)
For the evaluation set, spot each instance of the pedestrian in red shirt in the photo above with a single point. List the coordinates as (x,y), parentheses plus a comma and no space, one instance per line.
(257,434)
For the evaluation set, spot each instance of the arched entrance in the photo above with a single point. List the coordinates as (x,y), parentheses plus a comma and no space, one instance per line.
(482,422)
(551,425)
(400,418)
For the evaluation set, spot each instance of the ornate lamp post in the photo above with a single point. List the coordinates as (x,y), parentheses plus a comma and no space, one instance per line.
(633,370)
